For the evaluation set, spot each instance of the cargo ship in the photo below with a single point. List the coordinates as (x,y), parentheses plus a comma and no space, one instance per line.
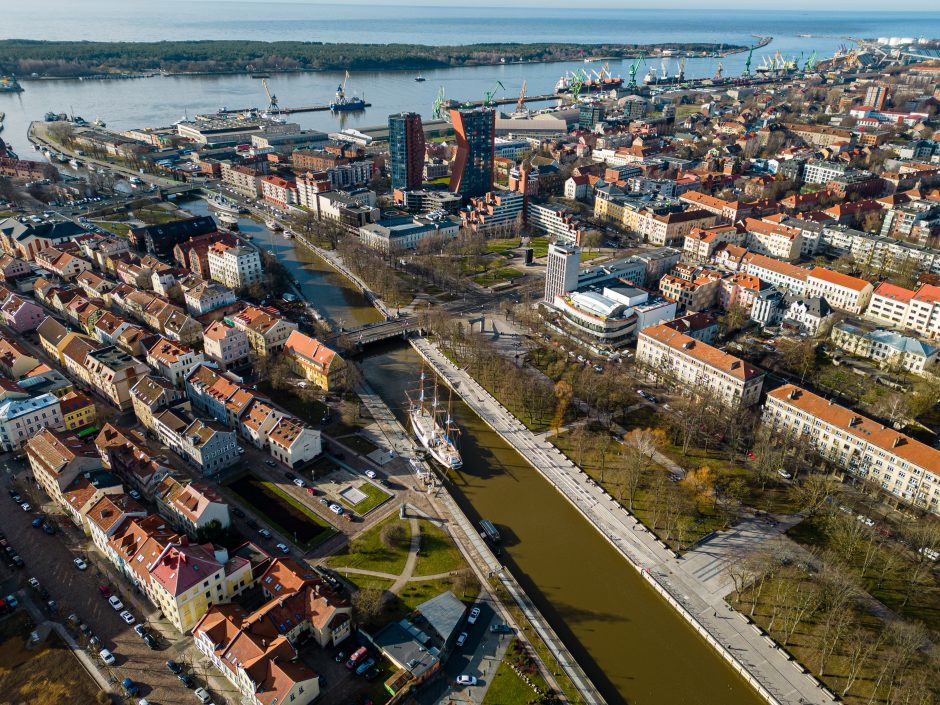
(582,82)
(434,428)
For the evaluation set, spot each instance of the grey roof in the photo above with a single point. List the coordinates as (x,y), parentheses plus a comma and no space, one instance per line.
(816,306)
(403,647)
(443,613)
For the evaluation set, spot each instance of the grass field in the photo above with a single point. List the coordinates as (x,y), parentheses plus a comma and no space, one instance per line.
(367,552)
(49,673)
(539,246)
(439,554)
(501,245)
(587,256)
(374,497)
(507,686)
(497,276)
(112,227)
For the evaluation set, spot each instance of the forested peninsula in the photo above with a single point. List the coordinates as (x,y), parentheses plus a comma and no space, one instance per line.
(60,59)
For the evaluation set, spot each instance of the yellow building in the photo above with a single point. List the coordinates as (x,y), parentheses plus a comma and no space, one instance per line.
(78,412)
(314,361)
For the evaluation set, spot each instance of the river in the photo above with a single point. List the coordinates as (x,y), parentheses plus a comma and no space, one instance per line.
(633,646)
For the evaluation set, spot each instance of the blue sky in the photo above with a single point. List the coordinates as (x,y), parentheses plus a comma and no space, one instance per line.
(771,5)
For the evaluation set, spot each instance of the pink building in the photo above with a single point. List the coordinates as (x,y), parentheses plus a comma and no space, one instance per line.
(739,290)
(21,314)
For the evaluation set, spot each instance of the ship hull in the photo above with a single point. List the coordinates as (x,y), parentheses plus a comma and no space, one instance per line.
(433,439)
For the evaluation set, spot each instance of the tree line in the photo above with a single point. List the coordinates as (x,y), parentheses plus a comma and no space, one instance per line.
(65,58)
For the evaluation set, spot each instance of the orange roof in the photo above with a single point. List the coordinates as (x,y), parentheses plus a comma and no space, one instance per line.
(713,357)
(309,348)
(893,292)
(839,279)
(775,265)
(861,427)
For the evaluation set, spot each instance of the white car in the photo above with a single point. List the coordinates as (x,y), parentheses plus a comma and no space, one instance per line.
(466,680)
(370,474)
(202,694)
(115,603)
(106,656)
(784,474)
(473,616)
(80,564)
(865,520)
(336,509)
(127,617)
(26,507)
(299,482)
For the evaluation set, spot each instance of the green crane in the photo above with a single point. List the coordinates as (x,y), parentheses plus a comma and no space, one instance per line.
(634,67)
(439,104)
(576,84)
(747,64)
(810,62)
(488,95)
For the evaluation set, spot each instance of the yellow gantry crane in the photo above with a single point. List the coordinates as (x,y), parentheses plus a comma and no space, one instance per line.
(520,104)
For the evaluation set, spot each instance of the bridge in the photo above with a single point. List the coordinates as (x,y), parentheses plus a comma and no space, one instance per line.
(356,338)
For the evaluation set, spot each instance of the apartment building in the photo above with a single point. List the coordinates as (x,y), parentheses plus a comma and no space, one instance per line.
(266,330)
(294,444)
(113,373)
(899,464)
(840,290)
(701,243)
(696,295)
(204,297)
(234,266)
(783,275)
(314,361)
(889,349)
(558,221)
(172,360)
(152,395)
(226,345)
(727,211)
(918,311)
(697,367)
(773,239)
(21,419)
(494,212)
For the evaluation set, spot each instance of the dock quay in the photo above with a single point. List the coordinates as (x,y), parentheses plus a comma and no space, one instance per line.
(289,111)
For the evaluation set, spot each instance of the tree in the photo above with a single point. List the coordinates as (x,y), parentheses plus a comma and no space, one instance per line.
(700,483)
(367,605)
(733,320)
(393,536)
(814,491)
(636,460)
(767,456)
(800,356)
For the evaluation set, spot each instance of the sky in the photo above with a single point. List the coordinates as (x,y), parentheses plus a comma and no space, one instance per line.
(770,5)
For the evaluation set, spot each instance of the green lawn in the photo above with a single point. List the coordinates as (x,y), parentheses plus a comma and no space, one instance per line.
(367,552)
(112,227)
(374,497)
(539,246)
(587,256)
(414,593)
(497,276)
(439,554)
(507,686)
(500,245)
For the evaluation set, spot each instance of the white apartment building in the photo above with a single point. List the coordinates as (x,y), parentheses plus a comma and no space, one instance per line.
(226,345)
(888,348)
(840,290)
(558,221)
(896,306)
(698,367)
(21,419)
(783,275)
(561,272)
(234,267)
(901,465)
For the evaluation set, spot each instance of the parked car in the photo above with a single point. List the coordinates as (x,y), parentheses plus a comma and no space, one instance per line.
(80,564)
(203,695)
(370,474)
(299,482)
(26,507)
(135,495)
(784,474)
(33,583)
(130,687)
(37,522)
(174,667)
(140,630)
(501,629)
(283,548)
(270,463)
(107,657)
(49,528)
(151,641)
(336,509)
(115,603)
(104,590)
(127,617)
(462,639)
(473,616)
(865,520)
(365,666)
(265,533)
(466,680)
(186,680)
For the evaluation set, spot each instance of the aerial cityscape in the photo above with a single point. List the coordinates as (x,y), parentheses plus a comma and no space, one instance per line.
(465,354)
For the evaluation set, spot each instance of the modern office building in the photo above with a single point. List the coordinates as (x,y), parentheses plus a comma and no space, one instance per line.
(589,115)
(561,273)
(472,172)
(406,150)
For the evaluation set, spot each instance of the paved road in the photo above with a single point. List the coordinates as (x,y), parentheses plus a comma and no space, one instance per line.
(767,666)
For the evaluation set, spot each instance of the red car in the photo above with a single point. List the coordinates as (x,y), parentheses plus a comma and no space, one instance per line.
(104,590)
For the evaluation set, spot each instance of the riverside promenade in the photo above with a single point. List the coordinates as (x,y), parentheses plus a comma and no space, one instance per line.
(769,669)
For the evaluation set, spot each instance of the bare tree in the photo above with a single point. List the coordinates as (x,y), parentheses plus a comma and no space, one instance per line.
(637,460)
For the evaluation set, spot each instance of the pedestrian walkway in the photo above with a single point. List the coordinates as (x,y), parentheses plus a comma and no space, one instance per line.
(750,652)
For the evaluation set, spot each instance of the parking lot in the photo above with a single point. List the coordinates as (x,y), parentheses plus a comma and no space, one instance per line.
(50,560)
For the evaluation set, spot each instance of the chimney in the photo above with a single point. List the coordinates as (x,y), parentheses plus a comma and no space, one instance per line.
(689,345)
(900,440)
(221,554)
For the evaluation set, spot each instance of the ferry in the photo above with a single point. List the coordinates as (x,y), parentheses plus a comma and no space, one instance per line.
(220,204)
(434,428)
(420,79)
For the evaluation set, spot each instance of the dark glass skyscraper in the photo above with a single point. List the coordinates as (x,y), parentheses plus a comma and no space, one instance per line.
(472,173)
(406,150)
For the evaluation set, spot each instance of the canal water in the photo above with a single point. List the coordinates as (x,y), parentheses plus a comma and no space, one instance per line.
(633,646)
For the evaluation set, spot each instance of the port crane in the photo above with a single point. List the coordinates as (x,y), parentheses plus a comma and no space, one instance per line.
(488,95)
(747,64)
(439,105)
(634,67)
(718,71)
(273,108)
(810,62)
(520,104)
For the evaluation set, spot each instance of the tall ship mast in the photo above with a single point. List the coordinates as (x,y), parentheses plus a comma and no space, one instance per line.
(433,426)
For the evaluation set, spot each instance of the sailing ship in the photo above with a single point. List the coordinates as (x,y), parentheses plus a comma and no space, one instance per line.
(434,427)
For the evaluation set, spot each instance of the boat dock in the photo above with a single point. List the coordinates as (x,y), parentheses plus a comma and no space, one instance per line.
(290,111)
